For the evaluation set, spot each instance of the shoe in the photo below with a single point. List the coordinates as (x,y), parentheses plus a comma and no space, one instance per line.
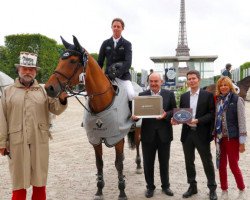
(149,193)
(191,190)
(224,195)
(213,195)
(168,191)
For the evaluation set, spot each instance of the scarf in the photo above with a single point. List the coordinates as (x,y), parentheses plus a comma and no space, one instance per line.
(223,102)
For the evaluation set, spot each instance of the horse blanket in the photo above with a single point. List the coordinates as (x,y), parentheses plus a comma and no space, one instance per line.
(110,125)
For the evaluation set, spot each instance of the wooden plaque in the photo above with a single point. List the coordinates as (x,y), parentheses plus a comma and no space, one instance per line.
(147,106)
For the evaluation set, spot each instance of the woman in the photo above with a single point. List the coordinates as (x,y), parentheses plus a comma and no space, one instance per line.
(230,133)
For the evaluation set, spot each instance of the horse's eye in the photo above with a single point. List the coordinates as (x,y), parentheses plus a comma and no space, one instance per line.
(73,61)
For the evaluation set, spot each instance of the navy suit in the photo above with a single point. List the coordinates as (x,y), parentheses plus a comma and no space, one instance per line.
(121,53)
(157,135)
(199,138)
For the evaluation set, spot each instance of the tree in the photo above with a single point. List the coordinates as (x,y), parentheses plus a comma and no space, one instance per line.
(3,60)
(47,49)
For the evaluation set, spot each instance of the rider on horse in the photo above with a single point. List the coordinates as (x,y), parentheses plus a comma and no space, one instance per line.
(118,54)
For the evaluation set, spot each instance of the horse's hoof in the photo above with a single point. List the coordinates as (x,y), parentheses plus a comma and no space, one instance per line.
(139,171)
(98,197)
(122,198)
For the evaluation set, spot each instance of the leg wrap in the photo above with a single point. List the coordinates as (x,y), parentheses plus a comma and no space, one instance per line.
(121,183)
(100,181)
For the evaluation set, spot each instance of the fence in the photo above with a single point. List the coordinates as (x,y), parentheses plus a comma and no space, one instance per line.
(133,75)
(236,74)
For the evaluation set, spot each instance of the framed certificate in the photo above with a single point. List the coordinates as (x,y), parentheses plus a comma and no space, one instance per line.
(182,115)
(147,106)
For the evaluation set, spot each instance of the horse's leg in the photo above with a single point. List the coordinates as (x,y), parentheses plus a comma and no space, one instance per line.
(119,167)
(137,143)
(99,166)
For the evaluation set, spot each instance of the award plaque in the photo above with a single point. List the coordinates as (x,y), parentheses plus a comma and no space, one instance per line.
(147,106)
(182,115)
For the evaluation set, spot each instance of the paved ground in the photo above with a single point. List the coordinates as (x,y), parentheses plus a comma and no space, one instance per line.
(72,166)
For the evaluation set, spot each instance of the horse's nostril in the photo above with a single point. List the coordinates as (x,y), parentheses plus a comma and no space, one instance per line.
(51,91)
(51,88)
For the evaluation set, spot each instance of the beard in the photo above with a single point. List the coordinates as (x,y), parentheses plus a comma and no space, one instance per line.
(26,79)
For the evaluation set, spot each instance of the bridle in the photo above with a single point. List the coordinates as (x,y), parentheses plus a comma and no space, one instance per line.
(82,63)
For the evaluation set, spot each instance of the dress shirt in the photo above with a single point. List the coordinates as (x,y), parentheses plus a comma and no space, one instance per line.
(155,94)
(193,104)
(193,101)
(116,41)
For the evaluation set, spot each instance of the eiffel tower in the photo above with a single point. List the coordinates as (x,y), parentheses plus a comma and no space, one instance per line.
(182,61)
(182,48)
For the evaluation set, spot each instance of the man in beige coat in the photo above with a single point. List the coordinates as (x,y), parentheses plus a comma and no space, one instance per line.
(24,129)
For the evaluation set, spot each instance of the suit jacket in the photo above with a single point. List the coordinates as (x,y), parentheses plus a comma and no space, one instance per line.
(205,113)
(163,126)
(121,53)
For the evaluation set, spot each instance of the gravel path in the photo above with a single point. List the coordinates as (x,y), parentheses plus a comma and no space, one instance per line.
(72,166)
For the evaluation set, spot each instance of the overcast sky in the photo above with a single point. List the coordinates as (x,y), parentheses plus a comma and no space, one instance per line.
(214,27)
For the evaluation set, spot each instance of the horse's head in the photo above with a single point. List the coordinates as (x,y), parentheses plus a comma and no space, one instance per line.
(70,66)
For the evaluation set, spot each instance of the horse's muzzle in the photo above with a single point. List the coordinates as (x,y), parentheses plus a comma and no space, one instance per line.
(52,91)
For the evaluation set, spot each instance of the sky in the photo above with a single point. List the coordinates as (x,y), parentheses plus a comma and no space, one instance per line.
(214,27)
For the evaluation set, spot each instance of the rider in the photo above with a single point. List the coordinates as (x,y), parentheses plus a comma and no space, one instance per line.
(227,72)
(118,54)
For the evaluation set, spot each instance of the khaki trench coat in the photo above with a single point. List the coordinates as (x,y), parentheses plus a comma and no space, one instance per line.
(24,130)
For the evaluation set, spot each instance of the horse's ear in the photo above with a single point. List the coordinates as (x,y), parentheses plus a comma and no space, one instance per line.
(77,44)
(66,44)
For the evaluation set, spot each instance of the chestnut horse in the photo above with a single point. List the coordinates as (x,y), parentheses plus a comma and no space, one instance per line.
(243,84)
(101,96)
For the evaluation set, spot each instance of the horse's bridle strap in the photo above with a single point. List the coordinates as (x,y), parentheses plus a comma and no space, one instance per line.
(101,93)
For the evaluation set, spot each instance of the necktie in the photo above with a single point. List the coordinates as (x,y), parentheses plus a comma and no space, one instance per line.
(115,43)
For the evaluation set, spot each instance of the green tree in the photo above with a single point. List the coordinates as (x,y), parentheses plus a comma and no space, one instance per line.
(95,56)
(4,60)
(47,49)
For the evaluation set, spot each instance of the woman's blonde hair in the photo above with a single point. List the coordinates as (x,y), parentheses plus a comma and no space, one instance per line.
(226,80)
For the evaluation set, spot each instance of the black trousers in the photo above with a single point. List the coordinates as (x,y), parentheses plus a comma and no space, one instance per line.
(149,152)
(193,141)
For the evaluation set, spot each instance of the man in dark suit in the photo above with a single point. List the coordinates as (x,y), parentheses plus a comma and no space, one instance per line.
(157,134)
(118,54)
(198,133)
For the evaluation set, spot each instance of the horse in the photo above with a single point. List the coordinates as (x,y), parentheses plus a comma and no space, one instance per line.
(134,140)
(102,96)
(243,85)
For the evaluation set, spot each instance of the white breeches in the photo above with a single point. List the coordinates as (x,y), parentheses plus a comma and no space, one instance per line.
(129,88)
(236,88)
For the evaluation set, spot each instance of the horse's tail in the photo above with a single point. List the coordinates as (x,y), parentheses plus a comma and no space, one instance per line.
(131,138)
